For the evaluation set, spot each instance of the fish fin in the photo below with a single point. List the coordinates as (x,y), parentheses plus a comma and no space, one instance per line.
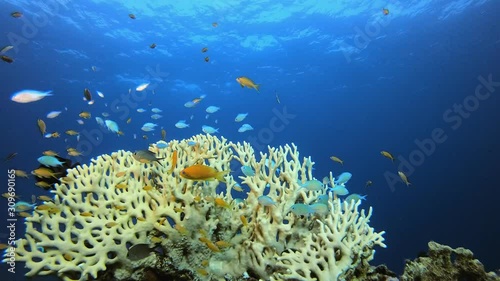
(242,86)
(158,161)
(220,175)
(256,87)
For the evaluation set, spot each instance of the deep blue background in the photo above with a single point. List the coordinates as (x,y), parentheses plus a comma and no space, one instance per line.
(389,95)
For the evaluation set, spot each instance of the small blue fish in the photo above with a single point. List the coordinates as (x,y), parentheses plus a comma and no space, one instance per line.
(319,208)
(343,178)
(248,171)
(265,201)
(209,129)
(50,161)
(189,104)
(312,185)
(323,199)
(161,144)
(355,197)
(22,206)
(191,143)
(112,126)
(340,190)
(238,201)
(272,165)
(300,209)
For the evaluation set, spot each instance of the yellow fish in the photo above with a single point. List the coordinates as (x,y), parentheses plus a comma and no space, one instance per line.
(182,230)
(55,135)
(111,224)
(247,82)
(43,184)
(7,195)
(21,173)
(85,114)
(24,214)
(174,161)
(244,220)
(50,153)
(387,155)
(212,246)
(74,153)
(223,244)
(43,172)
(336,159)
(222,203)
(42,126)
(86,214)
(203,173)
(44,198)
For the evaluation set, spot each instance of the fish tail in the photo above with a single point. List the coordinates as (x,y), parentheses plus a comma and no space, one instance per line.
(256,87)
(48,93)
(220,175)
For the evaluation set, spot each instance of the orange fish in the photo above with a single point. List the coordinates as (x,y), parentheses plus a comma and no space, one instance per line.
(244,220)
(222,203)
(203,172)
(247,82)
(174,161)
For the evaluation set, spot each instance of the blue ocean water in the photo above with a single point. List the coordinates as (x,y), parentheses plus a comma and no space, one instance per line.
(421,82)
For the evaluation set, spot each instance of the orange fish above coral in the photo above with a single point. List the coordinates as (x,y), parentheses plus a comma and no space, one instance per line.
(203,172)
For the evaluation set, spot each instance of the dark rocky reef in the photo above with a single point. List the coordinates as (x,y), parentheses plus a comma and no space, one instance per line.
(440,263)
(444,263)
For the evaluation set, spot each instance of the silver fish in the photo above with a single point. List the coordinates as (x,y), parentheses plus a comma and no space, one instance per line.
(145,156)
(6,48)
(138,252)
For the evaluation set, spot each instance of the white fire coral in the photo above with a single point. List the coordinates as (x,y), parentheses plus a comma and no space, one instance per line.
(343,241)
(116,201)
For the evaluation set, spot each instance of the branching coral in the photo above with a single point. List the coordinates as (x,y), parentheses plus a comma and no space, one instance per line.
(343,241)
(115,202)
